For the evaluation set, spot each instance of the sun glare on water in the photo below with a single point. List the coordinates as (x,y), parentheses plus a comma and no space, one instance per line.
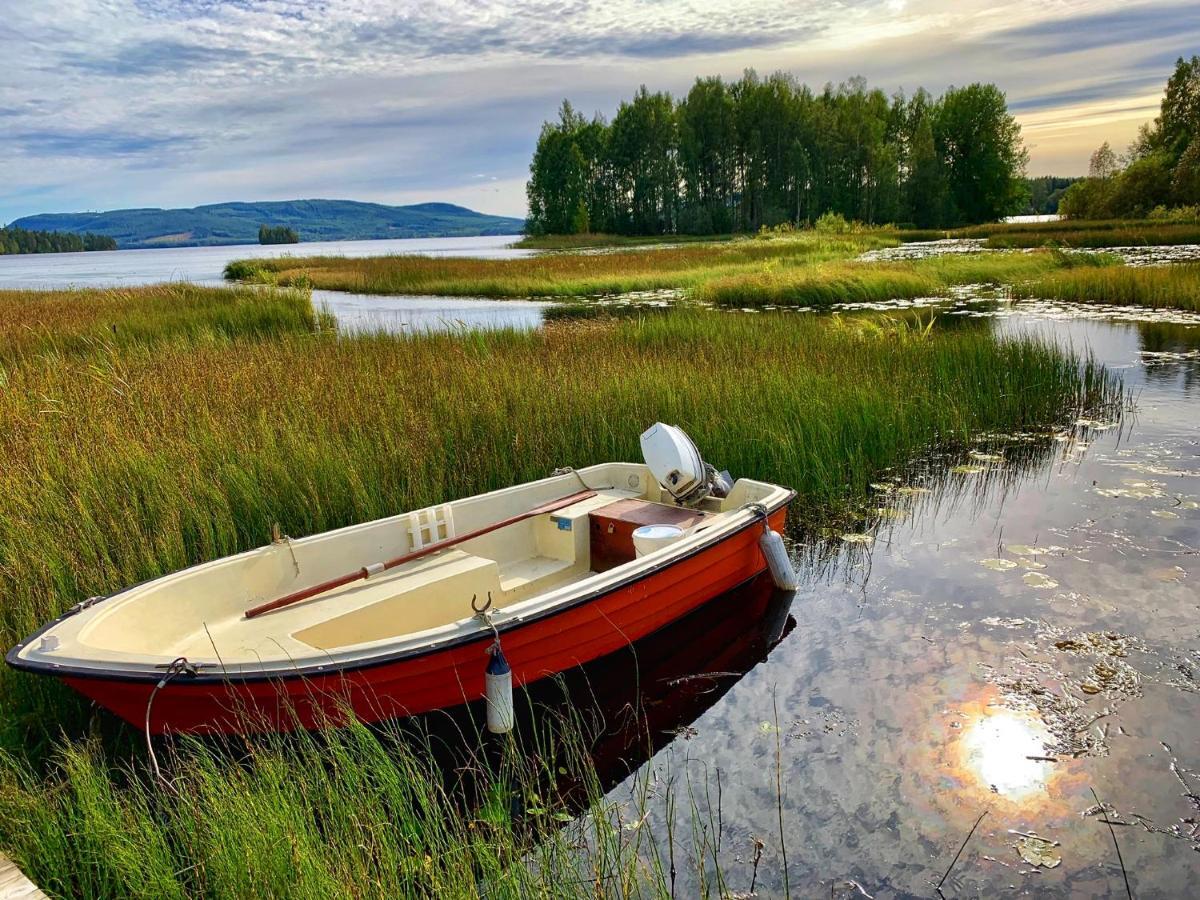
(996,749)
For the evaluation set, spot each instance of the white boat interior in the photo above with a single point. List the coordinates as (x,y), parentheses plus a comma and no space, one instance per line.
(543,560)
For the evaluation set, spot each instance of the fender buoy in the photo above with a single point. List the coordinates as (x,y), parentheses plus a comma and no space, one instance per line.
(498,692)
(778,560)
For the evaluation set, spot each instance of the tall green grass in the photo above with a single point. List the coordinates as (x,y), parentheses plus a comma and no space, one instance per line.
(33,323)
(348,812)
(824,285)
(556,274)
(1175,286)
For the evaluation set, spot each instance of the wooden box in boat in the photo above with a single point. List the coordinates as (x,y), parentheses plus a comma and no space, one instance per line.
(406,640)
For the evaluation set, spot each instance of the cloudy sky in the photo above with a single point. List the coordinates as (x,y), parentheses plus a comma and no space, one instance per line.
(112,103)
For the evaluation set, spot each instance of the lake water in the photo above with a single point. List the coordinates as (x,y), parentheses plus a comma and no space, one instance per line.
(407,314)
(204,265)
(1016,627)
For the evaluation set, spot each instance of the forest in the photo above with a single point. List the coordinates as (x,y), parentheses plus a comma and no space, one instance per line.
(1159,174)
(277,234)
(762,152)
(19,240)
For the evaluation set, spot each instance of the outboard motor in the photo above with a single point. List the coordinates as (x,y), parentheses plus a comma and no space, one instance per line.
(674,460)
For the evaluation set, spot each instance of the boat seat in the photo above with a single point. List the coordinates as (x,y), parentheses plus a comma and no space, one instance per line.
(434,591)
(524,577)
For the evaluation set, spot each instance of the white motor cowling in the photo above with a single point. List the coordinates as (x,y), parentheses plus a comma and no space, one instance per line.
(676,463)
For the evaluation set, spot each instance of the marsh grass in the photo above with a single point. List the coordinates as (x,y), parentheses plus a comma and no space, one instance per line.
(826,284)
(1084,233)
(351,811)
(121,462)
(1174,286)
(34,323)
(554,274)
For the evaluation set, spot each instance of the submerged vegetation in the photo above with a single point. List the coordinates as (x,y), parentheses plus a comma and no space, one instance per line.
(195,428)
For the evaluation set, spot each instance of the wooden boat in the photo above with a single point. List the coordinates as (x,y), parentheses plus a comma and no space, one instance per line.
(551,563)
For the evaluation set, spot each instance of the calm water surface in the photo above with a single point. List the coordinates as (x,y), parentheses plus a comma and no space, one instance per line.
(204,265)
(407,314)
(1021,626)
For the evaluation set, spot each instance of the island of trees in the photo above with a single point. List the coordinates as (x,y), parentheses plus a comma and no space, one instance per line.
(763,152)
(19,240)
(278,234)
(1159,174)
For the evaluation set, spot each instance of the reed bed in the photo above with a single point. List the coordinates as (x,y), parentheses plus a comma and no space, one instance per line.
(823,285)
(1159,287)
(556,274)
(349,812)
(1086,234)
(120,463)
(35,323)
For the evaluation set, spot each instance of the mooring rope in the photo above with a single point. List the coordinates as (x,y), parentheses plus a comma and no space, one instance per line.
(179,666)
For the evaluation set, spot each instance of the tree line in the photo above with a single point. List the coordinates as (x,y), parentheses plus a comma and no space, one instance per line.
(762,152)
(278,234)
(20,240)
(1160,170)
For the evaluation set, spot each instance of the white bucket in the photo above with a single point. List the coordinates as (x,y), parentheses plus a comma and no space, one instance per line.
(649,538)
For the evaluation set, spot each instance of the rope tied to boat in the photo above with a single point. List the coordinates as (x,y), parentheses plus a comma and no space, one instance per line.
(179,666)
(484,615)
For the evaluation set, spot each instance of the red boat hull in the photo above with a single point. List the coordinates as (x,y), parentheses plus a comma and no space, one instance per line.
(440,678)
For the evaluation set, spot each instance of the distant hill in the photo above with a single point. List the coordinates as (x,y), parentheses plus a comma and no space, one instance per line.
(238,223)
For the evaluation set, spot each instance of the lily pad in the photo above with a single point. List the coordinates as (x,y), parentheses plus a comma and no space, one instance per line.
(1023,549)
(968,470)
(1039,852)
(985,457)
(1038,580)
(857,538)
(998,565)
(1164,514)
(1030,564)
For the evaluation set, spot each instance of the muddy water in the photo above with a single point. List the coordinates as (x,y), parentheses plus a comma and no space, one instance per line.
(1015,628)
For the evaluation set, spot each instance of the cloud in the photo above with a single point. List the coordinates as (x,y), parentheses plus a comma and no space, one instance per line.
(155,57)
(1092,30)
(179,102)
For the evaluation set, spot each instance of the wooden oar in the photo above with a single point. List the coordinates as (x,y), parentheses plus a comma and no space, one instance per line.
(376,568)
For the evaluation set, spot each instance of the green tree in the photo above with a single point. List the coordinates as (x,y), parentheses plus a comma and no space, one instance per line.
(980,144)
(1185,180)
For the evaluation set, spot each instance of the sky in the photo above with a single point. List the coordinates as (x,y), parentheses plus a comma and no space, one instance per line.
(117,103)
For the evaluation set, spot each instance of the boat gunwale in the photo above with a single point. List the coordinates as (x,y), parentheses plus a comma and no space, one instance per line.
(326,668)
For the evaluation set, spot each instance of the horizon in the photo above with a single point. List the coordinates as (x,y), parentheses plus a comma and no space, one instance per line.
(107,107)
